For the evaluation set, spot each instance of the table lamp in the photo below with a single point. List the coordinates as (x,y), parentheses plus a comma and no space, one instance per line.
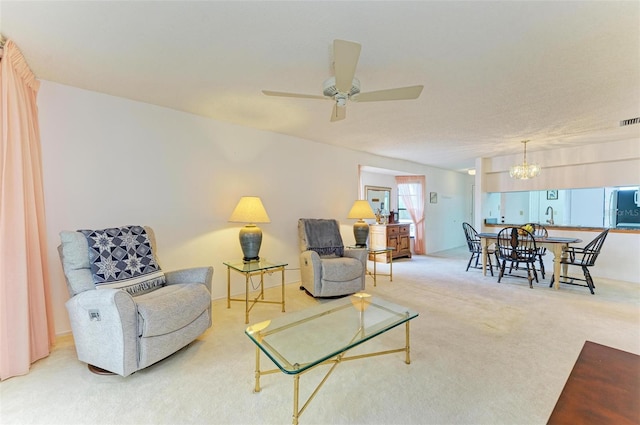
(250,210)
(360,210)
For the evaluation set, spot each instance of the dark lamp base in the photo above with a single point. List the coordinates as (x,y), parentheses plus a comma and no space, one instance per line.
(250,241)
(361,232)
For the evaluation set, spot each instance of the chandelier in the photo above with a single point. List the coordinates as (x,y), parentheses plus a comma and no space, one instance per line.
(524,171)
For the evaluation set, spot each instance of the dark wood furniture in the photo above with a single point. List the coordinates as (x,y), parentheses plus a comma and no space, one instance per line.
(396,236)
(517,246)
(554,244)
(603,388)
(475,248)
(539,231)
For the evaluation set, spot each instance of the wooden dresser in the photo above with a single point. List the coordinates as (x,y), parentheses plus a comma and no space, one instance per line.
(396,236)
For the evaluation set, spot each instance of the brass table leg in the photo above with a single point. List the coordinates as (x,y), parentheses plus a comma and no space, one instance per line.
(374,271)
(391,267)
(283,289)
(228,287)
(257,387)
(296,390)
(407,333)
(246,298)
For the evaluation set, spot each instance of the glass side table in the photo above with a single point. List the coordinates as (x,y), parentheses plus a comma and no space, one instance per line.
(375,251)
(251,269)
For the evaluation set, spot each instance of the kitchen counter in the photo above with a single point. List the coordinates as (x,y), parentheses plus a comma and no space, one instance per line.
(570,228)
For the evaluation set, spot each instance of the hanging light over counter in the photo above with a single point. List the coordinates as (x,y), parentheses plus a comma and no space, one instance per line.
(525,170)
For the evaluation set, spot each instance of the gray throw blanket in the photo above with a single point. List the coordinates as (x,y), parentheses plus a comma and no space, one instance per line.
(323,237)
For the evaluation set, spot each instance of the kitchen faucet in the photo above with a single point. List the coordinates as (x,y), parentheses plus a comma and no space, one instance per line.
(547,213)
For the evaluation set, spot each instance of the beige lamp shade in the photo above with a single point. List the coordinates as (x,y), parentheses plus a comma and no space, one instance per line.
(249,210)
(361,209)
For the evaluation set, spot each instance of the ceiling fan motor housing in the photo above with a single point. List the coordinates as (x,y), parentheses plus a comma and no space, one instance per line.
(329,87)
(346,54)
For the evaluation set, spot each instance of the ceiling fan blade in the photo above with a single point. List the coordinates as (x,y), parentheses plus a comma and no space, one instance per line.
(299,95)
(339,113)
(402,93)
(345,61)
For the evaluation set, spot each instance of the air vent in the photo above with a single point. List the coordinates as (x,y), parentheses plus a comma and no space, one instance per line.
(630,121)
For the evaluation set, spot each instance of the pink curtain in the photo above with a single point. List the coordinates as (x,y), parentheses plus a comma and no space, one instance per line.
(26,321)
(412,191)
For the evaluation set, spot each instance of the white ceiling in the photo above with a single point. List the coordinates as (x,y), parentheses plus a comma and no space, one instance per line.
(494,73)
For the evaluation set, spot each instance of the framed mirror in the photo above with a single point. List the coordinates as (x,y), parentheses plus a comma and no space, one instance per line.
(379,198)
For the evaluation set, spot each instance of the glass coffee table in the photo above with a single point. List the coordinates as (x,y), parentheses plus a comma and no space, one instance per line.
(322,335)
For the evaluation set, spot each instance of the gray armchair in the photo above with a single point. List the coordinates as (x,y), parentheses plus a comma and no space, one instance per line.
(125,312)
(328,269)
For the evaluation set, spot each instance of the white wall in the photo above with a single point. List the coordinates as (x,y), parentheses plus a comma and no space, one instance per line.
(109,161)
(587,207)
(382,180)
(618,259)
(443,219)
(594,165)
(514,207)
(443,227)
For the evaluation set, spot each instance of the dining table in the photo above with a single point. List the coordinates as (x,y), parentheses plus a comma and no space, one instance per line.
(556,245)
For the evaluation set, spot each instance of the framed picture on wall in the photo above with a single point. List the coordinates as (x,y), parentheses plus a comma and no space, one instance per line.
(433,197)
(552,195)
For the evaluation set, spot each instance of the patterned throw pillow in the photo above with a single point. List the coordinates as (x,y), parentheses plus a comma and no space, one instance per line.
(122,258)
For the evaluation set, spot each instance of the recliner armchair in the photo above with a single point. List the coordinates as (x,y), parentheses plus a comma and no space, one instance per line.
(125,312)
(328,269)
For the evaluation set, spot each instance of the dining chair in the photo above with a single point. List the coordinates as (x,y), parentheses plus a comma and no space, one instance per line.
(517,246)
(583,258)
(539,231)
(475,248)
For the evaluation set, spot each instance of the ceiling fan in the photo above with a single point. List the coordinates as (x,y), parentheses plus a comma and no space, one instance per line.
(344,85)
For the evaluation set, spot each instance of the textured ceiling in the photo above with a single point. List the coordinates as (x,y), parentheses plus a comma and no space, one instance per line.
(494,73)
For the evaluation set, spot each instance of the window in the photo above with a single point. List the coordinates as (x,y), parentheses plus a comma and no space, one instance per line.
(411,199)
(403,212)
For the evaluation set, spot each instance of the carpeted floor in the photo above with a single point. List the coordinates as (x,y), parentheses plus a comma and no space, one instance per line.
(482,353)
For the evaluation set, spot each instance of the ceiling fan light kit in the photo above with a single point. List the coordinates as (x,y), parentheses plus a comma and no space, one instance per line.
(345,86)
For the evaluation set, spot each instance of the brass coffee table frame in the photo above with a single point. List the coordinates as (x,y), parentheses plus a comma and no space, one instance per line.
(251,269)
(256,334)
